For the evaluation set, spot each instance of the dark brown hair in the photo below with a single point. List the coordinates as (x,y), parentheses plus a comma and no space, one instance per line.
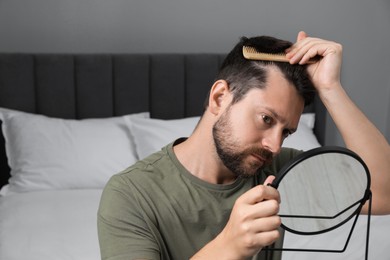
(242,74)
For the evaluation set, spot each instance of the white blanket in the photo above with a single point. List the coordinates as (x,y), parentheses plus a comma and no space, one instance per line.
(61,225)
(49,225)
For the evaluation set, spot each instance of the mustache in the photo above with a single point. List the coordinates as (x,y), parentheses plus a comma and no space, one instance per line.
(267,155)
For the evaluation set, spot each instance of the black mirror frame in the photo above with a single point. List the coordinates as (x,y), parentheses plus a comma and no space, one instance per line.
(367,196)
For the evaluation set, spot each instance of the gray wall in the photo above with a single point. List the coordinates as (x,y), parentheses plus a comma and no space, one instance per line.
(118,26)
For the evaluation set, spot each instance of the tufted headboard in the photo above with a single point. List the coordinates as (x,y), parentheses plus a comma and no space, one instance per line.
(76,86)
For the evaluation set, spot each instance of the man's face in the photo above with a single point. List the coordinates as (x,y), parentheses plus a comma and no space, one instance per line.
(250,133)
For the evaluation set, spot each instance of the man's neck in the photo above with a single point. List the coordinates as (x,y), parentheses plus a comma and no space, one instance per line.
(197,154)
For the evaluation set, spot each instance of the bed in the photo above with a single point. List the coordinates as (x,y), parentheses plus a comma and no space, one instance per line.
(70,121)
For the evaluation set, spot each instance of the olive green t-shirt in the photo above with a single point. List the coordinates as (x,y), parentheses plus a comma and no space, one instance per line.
(156,209)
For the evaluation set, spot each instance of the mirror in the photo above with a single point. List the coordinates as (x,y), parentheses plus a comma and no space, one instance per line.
(321,190)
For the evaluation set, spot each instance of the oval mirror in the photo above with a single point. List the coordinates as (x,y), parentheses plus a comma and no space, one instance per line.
(321,190)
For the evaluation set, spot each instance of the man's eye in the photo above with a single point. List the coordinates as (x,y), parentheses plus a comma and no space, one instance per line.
(267,119)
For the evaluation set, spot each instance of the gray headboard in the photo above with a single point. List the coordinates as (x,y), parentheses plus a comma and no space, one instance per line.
(76,86)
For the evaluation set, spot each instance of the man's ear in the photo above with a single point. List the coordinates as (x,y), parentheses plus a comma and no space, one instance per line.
(220,96)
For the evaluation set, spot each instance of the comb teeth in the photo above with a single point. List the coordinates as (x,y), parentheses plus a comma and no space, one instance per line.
(251,53)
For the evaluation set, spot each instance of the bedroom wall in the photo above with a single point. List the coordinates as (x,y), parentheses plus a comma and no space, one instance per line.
(117,26)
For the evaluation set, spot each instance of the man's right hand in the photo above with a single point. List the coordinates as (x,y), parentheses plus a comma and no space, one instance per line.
(253,224)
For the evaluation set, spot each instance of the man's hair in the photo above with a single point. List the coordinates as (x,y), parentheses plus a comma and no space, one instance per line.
(242,74)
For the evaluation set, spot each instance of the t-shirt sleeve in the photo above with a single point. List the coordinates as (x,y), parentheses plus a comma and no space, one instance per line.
(122,229)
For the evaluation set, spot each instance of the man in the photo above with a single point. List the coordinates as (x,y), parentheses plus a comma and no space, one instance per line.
(197,197)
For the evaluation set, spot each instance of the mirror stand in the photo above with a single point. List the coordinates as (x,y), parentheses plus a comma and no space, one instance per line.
(368,197)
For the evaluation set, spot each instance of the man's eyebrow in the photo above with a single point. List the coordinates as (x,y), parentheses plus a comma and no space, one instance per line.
(280,118)
(275,114)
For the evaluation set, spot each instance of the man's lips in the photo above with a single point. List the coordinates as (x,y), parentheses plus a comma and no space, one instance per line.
(259,158)
(262,159)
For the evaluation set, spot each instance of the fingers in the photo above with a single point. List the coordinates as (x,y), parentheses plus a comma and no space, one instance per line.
(264,209)
(259,202)
(307,48)
(266,224)
(259,224)
(253,222)
(267,238)
(301,35)
(263,237)
(269,180)
(260,193)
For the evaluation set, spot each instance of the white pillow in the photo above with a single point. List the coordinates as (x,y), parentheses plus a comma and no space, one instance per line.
(304,138)
(150,135)
(50,153)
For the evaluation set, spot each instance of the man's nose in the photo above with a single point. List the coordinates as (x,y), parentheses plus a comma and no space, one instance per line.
(273,142)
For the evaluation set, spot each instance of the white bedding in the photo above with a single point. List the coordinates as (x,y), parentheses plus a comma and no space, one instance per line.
(62,225)
(49,225)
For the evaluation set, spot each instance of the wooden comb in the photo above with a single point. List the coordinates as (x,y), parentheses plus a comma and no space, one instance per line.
(251,53)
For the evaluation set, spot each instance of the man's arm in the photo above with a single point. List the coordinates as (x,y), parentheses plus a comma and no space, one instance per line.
(359,134)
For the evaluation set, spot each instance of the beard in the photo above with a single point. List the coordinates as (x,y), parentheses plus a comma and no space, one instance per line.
(228,150)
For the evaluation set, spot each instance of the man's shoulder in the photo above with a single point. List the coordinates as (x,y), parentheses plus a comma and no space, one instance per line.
(151,165)
(146,172)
